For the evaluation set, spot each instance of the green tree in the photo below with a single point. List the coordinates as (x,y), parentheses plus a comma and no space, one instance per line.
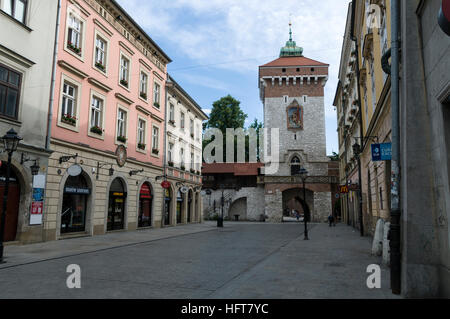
(226,113)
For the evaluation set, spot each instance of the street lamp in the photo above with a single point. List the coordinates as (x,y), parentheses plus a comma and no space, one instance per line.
(304,175)
(11,141)
(222,202)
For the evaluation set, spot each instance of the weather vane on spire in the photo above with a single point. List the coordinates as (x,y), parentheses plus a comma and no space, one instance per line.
(291,48)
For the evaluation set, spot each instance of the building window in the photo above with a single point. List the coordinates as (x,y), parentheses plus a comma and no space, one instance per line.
(172,113)
(121,126)
(198,133)
(100,54)
(192,161)
(295,166)
(143,86)
(182,158)
(124,71)
(156,95)
(141,134)
(75,27)
(182,120)
(374,94)
(170,154)
(69,102)
(192,127)
(10,83)
(96,115)
(16,9)
(155,140)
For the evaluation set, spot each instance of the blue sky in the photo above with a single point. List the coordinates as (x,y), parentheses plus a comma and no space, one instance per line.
(217,45)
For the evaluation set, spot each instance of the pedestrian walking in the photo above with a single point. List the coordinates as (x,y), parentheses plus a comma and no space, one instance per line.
(331,220)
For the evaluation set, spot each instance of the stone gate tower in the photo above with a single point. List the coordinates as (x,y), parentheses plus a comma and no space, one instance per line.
(292,91)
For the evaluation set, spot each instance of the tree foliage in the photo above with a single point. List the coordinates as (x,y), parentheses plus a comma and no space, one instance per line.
(226,113)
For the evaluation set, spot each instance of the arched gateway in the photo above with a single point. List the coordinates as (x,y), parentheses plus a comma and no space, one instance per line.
(292,90)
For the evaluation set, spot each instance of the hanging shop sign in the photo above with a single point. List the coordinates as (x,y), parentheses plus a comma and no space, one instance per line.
(165,184)
(343,189)
(184,189)
(381,152)
(74,170)
(444,16)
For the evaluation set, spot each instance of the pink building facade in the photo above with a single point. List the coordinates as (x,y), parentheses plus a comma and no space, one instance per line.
(107,124)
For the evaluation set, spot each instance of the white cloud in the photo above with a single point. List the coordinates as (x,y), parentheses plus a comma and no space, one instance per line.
(241,35)
(232,30)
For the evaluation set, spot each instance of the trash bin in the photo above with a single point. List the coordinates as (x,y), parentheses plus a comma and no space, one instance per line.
(236,218)
(262,218)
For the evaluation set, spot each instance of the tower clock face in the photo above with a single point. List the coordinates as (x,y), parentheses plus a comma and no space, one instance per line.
(121,155)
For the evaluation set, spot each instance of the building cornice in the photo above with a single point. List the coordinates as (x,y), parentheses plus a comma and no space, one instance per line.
(16,57)
(65,65)
(124,98)
(99,84)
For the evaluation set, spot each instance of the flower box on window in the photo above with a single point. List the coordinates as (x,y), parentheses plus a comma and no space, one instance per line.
(122,139)
(172,122)
(124,82)
(155,151)
(96,130)
(143,95)
(192,171)
(197,172)
(74,48)
(182,167)
(156,104)
(170,164)
(100,66)
(141,146)
(192,135)
(69,119)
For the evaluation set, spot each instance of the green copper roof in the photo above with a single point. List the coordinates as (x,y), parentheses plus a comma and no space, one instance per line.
(291,48)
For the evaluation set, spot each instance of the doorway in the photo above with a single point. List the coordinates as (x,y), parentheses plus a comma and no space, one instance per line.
(116,207)
(12,215)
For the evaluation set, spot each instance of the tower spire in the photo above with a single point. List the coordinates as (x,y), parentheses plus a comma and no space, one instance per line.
(291,48)
(290,30)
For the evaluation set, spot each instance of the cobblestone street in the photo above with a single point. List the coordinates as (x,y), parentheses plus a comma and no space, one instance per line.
(242,260)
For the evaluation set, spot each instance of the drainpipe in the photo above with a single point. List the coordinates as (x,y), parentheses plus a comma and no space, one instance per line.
(361,131)
(52,85)
(394,231)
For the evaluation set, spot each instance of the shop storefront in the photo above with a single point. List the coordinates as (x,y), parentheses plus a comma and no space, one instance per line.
(116,206)
(179,206)
(189,208)
(73,215)
(167,202)
(145,206)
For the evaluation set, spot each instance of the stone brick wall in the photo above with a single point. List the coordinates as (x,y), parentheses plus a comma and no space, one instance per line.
(255,202)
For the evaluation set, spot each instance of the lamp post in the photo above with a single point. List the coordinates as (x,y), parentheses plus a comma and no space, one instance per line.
(357,151)
(222,202)
(304,175)
(11,141)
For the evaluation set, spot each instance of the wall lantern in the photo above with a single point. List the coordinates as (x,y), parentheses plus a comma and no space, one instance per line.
(35,168)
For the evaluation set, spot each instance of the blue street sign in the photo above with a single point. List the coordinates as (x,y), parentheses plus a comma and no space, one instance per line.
(381,152)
